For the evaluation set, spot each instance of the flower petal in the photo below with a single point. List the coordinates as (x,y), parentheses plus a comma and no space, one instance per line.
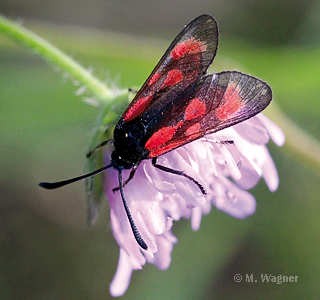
(121,279)
(273,129)
(233,200)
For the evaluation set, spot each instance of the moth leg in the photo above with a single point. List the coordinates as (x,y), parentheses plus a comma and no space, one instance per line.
(98,147)
(226,142)
(131,175)
(181,173)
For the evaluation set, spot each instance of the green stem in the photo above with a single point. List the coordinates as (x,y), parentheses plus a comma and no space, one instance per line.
(56,56)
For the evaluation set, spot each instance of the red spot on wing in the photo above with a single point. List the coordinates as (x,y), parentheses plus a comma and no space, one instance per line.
(173,77)
(190,46)
(161,137)
(154,78)
(232,104)
(165,149)
(137,108)
(195,109)
(193,129)
(191,135)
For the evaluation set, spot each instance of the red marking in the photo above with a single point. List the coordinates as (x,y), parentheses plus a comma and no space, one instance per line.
(173,77)
(175,144)
(137,108)
(195,109)
(154,78)
(193,129)
(190,46)
(165,149)
(161,136)
(232,104)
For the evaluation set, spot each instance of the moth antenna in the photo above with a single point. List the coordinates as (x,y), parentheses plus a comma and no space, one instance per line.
(98,147)
(58,184)
(134,228)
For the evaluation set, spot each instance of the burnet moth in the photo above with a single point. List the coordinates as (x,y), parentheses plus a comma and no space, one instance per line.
(178,104)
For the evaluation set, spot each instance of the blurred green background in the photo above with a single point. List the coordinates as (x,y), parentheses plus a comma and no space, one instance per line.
(46,249)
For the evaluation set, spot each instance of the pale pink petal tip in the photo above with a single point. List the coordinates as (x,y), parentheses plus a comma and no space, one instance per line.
(273,129)
(122,277)
(157,198)
(235,201)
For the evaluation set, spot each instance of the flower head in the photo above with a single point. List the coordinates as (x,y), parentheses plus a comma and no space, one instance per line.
(157,198)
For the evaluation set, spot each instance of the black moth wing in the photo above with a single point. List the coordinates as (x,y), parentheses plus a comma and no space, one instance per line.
(185,61)
(216,102)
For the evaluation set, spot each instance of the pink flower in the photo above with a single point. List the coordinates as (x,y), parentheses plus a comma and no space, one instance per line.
(156,198)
